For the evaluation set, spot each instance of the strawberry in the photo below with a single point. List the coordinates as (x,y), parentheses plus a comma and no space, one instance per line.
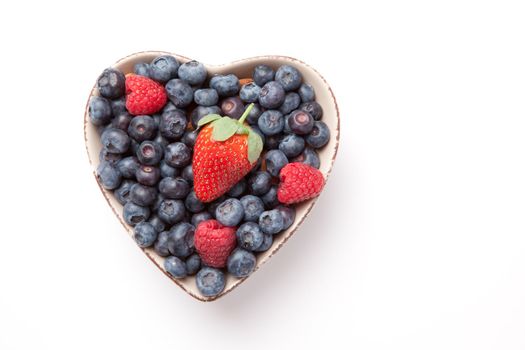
(214,242)
(143,95)
(299,182)
(225,151)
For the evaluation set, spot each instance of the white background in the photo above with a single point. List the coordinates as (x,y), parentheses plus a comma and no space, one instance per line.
(416,243)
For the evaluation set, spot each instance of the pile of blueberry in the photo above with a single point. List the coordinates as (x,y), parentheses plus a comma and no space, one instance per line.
(146,159)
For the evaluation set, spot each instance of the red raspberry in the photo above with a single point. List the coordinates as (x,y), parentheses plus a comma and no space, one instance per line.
(299,182)
(143,95)
(214,242)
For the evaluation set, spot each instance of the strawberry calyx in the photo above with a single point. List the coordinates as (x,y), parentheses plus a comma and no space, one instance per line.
(225,127)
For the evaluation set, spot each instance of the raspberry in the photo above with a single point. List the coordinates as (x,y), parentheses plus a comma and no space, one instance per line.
(214,242)
(299,182)
(143,95)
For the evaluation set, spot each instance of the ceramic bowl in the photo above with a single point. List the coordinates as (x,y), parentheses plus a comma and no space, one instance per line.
(242,68)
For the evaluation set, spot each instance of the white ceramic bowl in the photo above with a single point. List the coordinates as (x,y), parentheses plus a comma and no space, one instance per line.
(243,69)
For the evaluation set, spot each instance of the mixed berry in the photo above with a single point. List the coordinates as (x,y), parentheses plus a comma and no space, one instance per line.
(208,169)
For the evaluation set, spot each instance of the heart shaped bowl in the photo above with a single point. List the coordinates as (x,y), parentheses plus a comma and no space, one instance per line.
(243,69)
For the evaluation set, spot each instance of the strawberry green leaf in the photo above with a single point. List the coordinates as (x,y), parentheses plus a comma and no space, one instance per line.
(224,128)
(208,119)
(255,146)
(243,130)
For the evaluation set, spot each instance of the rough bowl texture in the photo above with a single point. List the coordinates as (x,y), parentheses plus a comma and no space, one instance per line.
(242,68)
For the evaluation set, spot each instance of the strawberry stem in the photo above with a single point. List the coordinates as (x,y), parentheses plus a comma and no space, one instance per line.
(245,114)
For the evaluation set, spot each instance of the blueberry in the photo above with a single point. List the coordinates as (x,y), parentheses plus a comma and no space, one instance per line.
(300,122)
(291,102)
(230,212)
(99,110)
(292,145)
(135,214)
(122,121)
(171,211)
(175,267)
(210,281)
(168,171)
(112,158)
(288,214)
(147,175)
(250,93)
(270,198)
(111,83)
(128,167)
(307,93)
(272,142)
(187,173)
(200,111)
(163,68)
(157,223)
(253,207)
(142,128)
(262,74)
(254,114)
(289,77)
(319,136)
(193,264)
(115,140)
(238,189)
(206,97)
(226,85)
(177,155)
(122,192)
(271,221)
(241,263)
(181,240)
(118,106)
(259,183)
(173,124)
(313,108)
(249,236)
(179,92)
(190,137)
(174,188)
(142,195)
(193,203)
(212,206)
(256,129)
(232,107)
(275,161)
(108,176)
(144,234)
(161,245)
(310,157)
(271,122)
(271,95)
(142,69)
(149,153)
(267,243)
(196,219)
(193,72)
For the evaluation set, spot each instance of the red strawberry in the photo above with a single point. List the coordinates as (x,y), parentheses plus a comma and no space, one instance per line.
(214,242)
(299,182)
(225,151)
(143,95)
